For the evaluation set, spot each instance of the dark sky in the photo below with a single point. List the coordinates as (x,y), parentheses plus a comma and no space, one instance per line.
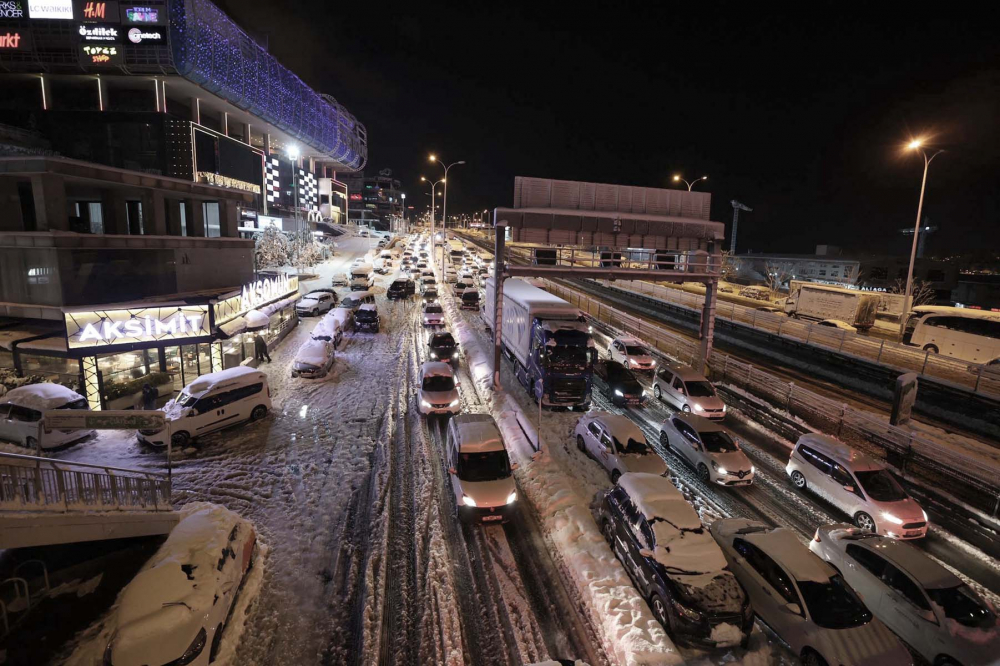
(798,114)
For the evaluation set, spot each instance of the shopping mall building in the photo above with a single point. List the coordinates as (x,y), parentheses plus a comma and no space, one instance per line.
(141,145)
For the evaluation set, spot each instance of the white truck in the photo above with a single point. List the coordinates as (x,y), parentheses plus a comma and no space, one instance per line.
(547,339)
(807,300)
(362,278)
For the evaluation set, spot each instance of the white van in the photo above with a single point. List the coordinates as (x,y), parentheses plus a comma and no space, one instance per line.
(21,410)
(213,402)
(356,300)
(481,472)
(362,278)
(856,484)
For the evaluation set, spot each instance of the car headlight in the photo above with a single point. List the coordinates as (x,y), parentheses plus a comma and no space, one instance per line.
(425,404)
(468,501)
(512,497)
(688,614)
(619,393)
(891,518)
(433,355)
(645,392)
(193,651)
(926,519)
(590,329)
(753,470)
(654,364)
(698,408)
(455,355)
(632,361)
(453,403)
(723,408)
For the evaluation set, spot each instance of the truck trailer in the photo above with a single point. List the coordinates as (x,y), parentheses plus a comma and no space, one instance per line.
(820,301)
(547,340)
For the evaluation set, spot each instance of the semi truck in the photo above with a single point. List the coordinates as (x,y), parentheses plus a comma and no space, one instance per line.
(817,302)
(547,340)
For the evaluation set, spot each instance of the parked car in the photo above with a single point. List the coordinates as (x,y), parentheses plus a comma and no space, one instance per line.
(926,605)
(22,408)
(430,294)
(856,484)
(176,609)
(340,279)
(804,600)
(329,329)
(401,288)
(438,392)
(212,402)
(620,386)
(343,317)
(441,346)
(315,303)
(313,360)
(632,353)
(433,314)
(470,300)
(688,390)
(356,299)
(617,444)
(481,472)
(366,318)
(674,562)
(709,448)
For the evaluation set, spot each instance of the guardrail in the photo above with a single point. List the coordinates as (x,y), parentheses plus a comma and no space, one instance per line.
(906,450)
(29,483)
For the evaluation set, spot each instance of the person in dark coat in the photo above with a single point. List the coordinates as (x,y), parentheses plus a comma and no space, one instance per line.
(260,349)
(149,395)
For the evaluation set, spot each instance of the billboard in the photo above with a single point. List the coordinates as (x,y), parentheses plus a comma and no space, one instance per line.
(107,328)
(99,33)
(147,13)
(89,11)
(50,9)
(12,9)
(100,54)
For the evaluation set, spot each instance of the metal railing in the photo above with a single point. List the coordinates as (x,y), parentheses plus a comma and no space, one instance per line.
(28,483)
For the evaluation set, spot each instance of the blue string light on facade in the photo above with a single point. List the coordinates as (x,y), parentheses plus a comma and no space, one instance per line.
(210,50)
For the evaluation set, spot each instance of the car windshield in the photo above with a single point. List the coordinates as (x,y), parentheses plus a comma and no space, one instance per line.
(470,296)
(80,403)
(442,340)
(633,447)
(880,486)
(367,314)
(483,466)
(185,400)
(833,604)
(433,309)
(635,350)
(439,383)
(717,441)
(700,389)
(962,605)
(567,355)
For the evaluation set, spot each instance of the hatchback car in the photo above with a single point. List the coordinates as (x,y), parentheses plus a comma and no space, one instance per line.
(620,386)
(316,302)
(804,600)
(632,353)
(926,605)
(709,448)
(856,484)
(689,391)
(441,346)
(438,391)
(366,318)
(674,562)
(433,315)
(617,444)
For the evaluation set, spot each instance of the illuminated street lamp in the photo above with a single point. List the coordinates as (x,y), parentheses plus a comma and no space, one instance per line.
(915,144)
(293,155)
(678,179)
(444,216)
(433,185)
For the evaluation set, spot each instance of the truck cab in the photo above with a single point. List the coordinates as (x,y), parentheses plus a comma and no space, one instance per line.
(560,363)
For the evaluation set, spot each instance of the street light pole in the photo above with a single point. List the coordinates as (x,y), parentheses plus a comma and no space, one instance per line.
(444,216)
(433,185)
(293,154)
(916,144)
(691,183)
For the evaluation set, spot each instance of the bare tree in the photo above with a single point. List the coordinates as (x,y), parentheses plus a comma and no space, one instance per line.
(777,274)
(730,267)
(923,293)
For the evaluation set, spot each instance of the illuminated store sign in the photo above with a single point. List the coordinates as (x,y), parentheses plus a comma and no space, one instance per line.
(225,181)
(355,197)
(11,9)
(89,11)
(255,295)
(99,33)
(15,40)
(148,14)
(50,9)
(121,327)
(147,36)
(105,54)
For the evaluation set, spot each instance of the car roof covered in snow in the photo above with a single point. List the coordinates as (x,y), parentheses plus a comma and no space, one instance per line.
(621,427)
(313,351)
(239,375)
(782,546)
(369,307)
(41,396)
(840,451)
(317,293)
(436,369)
(477,433)
(926,571)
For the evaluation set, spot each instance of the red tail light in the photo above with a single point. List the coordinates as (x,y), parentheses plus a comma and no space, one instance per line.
(816,538)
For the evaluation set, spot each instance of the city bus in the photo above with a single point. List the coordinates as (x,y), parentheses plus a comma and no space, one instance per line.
(970,335)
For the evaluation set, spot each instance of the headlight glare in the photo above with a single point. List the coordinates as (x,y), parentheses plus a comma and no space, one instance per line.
(512,497)
(619,393)
(468,501)
(895,520)
(453,403)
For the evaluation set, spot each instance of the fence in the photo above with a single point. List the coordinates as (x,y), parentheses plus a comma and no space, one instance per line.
(28,483)
(903,449)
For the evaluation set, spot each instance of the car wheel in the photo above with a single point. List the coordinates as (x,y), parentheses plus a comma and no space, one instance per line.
(216,644)
(686,409)
(703,473)
(811,658)
(664,440)
(931,348)
(579,443)
(609,533)
(798,480)
(659,608)
(180,439)
(259,412)
(864,521)
(31,443)
(945,660)
(615,475)
(656,391)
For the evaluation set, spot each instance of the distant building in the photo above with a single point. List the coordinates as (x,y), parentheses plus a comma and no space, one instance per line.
(375,201)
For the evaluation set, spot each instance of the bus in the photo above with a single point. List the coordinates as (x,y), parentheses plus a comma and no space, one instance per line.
(969,335)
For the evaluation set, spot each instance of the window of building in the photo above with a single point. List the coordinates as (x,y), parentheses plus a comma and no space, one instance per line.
(213,227)
(822,272)
(878,272)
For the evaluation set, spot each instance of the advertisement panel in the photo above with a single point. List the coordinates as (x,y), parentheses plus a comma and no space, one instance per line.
(50,9)
(12,9)
(89,11)
(147,13)
(106,328)
(15,39)
(99,33)
(100,54)
(147,35)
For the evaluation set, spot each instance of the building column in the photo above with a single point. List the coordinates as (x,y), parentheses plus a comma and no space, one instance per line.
(49,192)
(196,220)
(154,220)
(225,123)
(267,144)
(114,211)
(102,94)
(246,133)
(11,218)
(229,219)
(196,110)
(173,215)
(46,91)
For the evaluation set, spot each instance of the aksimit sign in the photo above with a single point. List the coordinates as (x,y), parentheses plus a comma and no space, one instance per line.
(117,327)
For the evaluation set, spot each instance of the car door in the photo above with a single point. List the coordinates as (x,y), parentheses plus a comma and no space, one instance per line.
(904,608)
(23,423)
(689,444)
(212,413)
(677,392)
(768,585)
(614,351)
(605,450)
(8,430)
(863,570)
(844,491)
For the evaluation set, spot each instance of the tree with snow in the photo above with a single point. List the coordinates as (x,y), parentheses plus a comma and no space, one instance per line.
(923,292)
(777,275)
(271,248)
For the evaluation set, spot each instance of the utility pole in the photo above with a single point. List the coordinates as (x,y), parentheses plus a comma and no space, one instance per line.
(737,207)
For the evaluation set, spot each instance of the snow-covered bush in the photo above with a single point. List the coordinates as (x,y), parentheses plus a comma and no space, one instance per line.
(272,248)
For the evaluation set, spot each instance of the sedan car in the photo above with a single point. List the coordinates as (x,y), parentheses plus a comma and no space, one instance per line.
(617,444)
(709,448)
(803,599)
(836,323)
(313,360)
(632,353)
(441,346)
(438,392)
(621,386)
(433,315)
(176,609)
(926,605)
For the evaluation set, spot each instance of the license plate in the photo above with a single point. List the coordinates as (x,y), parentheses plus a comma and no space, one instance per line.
(912,533)
(488,518)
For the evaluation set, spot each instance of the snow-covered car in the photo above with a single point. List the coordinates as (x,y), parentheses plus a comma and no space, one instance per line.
(632,353)
(315,303)
(342,317)
(617,444)
(21,411)
(856,484)
(709,448)
(328,329)
(438,391)
(340,280)
(481,472)
(450,276)
(366,318)
(803,599)
(177,607)
(674,562)
(313,360)
(688,390)
(433,315)
(469,300)
(441,346)
(990,369)
(926,605)
(836,323)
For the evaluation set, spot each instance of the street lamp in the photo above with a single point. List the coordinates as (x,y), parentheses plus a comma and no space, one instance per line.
(690,184)
(293,155)
(433,185)
(915,144)
(444,216)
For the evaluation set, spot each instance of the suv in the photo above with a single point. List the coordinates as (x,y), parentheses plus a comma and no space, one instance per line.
(857,485)
(366,318)
(674,562)
(316,302)
(688,391)
(617,444)
(441,346)
(470,300)
(481,473)
(632,353)
(709,448)
(400,288)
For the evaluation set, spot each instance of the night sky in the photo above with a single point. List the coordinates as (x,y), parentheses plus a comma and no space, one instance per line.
(801,116)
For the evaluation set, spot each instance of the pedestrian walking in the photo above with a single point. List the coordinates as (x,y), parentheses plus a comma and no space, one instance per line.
(149,396)
(260,349)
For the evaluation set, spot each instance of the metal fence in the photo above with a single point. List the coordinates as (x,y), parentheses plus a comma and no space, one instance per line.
(28,483)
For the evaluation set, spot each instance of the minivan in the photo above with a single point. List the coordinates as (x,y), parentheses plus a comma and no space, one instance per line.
(213,402)
(356,300)
(481,473)
(22,408)
(856,484)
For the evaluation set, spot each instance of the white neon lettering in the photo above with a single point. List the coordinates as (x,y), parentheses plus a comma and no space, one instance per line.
(149,326)
(90,332)
(134,328)
(111,329)
(162,326)
(195,323)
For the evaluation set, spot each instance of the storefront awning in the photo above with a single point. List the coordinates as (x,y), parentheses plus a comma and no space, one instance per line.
(8,336)
(239,325)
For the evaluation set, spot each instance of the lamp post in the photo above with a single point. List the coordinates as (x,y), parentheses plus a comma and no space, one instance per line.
(690,184)
(433,244)
(402,217)
(916,144)
(444,216)
(293,155)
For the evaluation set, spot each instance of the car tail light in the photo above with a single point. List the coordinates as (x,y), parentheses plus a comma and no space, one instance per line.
(816,538)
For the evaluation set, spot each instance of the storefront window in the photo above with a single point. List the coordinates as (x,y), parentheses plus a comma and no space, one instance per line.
(232,351)
(58,370)
(172,356)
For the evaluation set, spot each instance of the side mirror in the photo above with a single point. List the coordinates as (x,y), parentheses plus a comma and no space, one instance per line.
(646,552)
(928,616)
(849,488)
(452,470)
(513,466)
(793,608)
